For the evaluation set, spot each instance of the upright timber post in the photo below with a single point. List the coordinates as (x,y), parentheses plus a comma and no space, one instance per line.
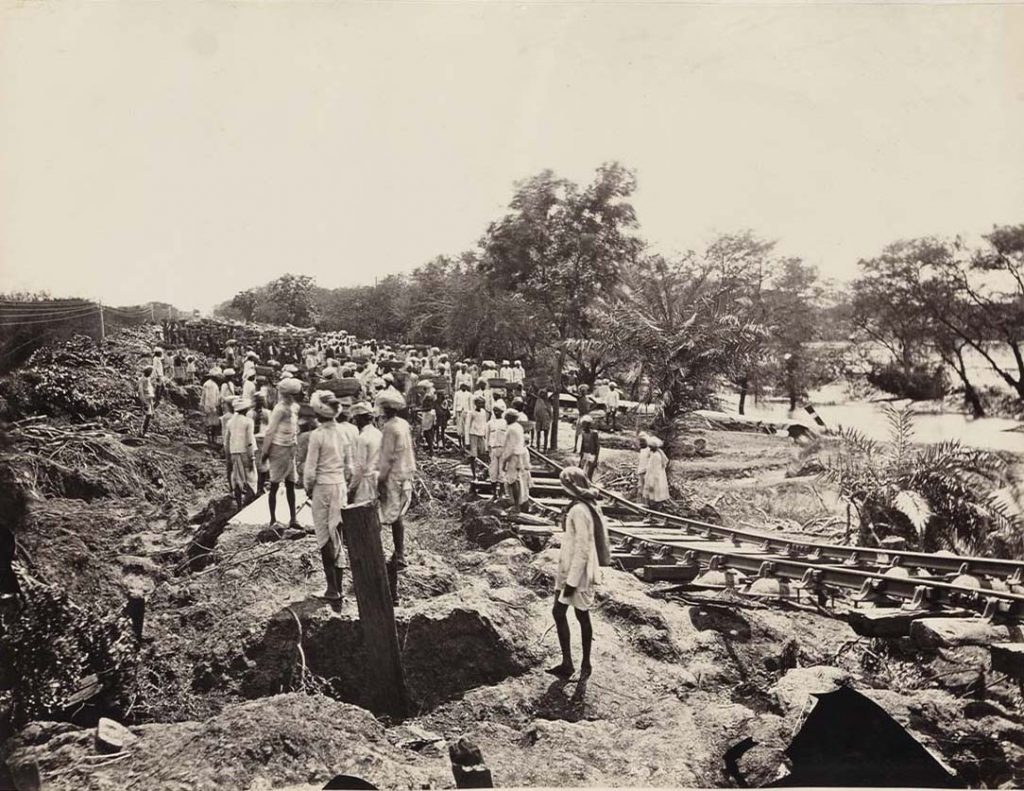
(376,612)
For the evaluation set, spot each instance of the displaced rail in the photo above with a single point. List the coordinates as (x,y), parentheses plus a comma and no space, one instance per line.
(786,568)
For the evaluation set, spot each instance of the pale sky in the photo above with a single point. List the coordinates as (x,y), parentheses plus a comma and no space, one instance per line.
(183,151)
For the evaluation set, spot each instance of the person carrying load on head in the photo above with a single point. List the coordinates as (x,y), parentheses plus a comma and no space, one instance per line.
(240,446)
(584,549)
(366,455)
(328,465)
(397,467)
(279,447)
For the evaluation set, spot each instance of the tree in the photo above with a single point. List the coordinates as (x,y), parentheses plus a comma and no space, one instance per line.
(886,301)
(677,322)
(793,313)
(991,311)
(741,264)
(288,300)
(560,247)
(245,303)
(936,497)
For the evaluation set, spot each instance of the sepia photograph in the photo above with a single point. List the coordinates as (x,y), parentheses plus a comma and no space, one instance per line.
(433,394)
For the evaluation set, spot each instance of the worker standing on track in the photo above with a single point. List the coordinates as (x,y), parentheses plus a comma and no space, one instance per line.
(279,447)
(641,464)
(590,446)
(584,543)
(541,421)
(497,428)
(463,406)
(476,433)
(397,467)
(611,403)
(512,460)
(328,463)
(656,479)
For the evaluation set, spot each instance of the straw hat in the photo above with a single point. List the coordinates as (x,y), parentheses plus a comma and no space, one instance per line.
(239,403)
(575,482)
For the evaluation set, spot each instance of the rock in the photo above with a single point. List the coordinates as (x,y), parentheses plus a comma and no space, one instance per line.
(498,576)
(482,524)
(132,564)
(112,736)
(511,551)
(950,632)
(793,691)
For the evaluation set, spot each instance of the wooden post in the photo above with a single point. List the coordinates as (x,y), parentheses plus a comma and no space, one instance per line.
(376,612)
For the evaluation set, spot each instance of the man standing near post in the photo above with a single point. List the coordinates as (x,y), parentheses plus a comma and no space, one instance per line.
(328,463)
(397,466)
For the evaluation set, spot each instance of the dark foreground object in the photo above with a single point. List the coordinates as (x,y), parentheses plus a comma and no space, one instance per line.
(848,740)
(376,611)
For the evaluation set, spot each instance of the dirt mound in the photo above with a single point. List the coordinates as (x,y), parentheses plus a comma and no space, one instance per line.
(270,743)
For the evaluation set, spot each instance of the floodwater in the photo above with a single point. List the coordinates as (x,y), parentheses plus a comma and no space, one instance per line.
(932,423)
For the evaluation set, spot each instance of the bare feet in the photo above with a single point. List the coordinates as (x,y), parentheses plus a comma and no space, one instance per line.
(562,671)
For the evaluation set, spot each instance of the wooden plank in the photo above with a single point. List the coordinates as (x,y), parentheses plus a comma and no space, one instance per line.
(376,611)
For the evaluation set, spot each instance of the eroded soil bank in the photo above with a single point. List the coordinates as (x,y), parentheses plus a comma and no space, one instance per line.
(224,697)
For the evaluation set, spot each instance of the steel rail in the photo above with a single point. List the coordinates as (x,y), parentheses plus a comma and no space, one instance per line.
(1011,571)
(816,578)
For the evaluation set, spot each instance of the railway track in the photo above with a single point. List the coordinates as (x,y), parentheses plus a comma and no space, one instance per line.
(661,546)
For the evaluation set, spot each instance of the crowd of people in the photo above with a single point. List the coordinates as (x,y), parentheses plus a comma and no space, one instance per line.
(342,418)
